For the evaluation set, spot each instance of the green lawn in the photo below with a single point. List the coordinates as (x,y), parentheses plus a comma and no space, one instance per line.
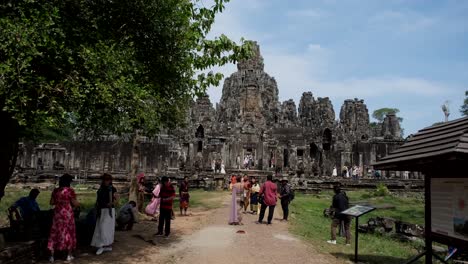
(87,199)
(308,222)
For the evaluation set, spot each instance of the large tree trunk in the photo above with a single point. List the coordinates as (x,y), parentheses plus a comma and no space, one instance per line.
(9,140)
(135,167)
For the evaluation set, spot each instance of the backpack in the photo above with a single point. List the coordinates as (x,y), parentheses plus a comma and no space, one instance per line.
(292,195)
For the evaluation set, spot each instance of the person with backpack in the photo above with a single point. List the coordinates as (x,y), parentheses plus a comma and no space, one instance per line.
(339,204)
(285,197)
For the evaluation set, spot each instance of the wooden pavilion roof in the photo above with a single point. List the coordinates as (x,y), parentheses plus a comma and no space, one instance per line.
(446,141)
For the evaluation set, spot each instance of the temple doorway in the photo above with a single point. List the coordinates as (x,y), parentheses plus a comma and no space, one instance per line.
(286,158)
(327,139)
(249,158)
(314,151)
(200,146)
(200,133)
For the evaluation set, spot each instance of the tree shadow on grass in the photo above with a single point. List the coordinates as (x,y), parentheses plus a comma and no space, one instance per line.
(371,259)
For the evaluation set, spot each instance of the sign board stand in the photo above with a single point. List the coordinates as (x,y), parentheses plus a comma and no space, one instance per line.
(357,211)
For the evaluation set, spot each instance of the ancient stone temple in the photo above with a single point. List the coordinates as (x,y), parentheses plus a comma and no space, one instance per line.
(250,125)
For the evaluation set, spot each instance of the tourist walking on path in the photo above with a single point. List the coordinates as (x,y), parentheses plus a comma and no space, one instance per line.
(285,196)
(103,237)
(268,192)
(339,204)
(167,195)
(254,190)
(152,209)
(246,194)
(62,233)
(235,217)
(184,196)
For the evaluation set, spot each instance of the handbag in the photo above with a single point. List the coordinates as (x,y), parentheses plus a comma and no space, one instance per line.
(261,199)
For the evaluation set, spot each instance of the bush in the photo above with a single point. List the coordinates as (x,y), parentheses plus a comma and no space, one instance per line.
(381,190)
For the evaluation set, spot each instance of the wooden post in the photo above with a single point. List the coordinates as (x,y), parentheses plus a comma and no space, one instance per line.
(356,241)
(427,218)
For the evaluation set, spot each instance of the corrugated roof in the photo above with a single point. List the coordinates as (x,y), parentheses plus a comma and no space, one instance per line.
(447,138)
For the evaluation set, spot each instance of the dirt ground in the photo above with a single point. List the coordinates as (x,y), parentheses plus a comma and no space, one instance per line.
(205,237)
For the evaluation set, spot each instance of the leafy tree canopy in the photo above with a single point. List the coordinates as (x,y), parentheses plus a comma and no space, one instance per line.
(107,66)
(104,67)
(464,107)
(380,114)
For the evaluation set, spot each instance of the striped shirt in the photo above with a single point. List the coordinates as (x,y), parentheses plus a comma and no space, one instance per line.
(167,191)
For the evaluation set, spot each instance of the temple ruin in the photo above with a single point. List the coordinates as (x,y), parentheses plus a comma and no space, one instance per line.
(306,140)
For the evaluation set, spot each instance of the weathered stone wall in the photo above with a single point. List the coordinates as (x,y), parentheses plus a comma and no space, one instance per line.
(249,121)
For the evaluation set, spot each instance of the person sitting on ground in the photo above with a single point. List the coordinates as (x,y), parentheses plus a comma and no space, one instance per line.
(339,204)
(28,205)
(127,216)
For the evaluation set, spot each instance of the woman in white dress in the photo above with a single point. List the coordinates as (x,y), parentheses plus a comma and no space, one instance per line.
(223,171)
(103,237)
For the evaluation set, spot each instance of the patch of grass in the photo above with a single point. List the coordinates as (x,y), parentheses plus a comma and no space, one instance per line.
(308,222)
(87,200)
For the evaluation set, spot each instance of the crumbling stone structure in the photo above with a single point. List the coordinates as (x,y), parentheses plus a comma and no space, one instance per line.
(249,122)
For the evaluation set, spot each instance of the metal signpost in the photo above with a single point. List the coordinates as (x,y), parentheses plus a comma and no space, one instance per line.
(357,211)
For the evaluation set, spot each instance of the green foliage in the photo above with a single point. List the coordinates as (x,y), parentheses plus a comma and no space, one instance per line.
(381,190)
(464,107)
(308,222)
(380,114)
(107,66)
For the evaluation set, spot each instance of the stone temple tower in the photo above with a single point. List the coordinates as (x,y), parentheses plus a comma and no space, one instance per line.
(250,97)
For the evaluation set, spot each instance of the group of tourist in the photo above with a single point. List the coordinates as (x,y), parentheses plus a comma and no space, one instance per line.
(355,172)
(248,162)
(247,191)
(62,236)
(63,233)
(217,166)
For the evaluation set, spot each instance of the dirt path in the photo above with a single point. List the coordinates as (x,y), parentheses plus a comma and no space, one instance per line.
(214,241)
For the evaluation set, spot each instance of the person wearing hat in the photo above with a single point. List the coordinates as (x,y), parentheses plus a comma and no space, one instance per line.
(285,197)
(63,233)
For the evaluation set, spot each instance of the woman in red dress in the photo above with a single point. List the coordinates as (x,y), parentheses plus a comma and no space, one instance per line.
(62,234)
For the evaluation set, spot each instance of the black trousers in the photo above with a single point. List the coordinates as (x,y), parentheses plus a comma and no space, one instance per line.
(285,207)
(271,211)
(165,216)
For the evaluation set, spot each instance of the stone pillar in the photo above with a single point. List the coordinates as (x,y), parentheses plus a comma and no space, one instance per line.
(33,161)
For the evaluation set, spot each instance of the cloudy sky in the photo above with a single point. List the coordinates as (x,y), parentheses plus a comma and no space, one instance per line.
(412,55)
